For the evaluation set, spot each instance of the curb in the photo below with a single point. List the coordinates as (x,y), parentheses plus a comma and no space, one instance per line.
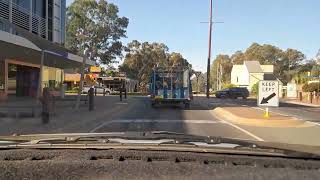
(229,116)
(300,103)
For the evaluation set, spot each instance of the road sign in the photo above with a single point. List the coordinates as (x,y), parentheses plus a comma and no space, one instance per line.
(268,93)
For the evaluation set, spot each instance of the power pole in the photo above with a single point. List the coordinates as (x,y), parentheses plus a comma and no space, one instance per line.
(209,53)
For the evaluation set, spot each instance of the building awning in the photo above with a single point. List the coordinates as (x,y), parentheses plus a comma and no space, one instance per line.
(27,48)
(72,77)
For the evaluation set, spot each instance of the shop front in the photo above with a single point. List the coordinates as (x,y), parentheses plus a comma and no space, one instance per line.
(27,66)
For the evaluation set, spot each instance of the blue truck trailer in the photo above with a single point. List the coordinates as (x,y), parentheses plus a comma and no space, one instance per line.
(170,86)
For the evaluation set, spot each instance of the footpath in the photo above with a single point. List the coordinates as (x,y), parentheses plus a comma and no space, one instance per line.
(66,119)
(303,103)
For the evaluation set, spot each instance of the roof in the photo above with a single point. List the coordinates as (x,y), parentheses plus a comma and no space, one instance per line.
(29,40)
(253,66)
(269,77)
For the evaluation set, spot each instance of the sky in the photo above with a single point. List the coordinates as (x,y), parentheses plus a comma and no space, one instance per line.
(177,23)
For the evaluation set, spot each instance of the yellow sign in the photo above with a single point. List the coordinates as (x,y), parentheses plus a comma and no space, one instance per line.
(95,69)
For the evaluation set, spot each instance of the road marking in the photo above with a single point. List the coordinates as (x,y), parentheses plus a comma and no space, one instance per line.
(122,103)
(239,128)
(287,115)
(318,124)
(165,121)
(243,130)
(100,126)
(154,121)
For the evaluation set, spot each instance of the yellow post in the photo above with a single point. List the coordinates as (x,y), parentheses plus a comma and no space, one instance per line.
(266,113)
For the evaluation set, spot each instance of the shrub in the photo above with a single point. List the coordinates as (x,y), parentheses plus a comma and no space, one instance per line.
(228,85)
(311,87)
(75,88)
(255,88)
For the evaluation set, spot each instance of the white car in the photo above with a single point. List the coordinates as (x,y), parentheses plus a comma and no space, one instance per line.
(99,89)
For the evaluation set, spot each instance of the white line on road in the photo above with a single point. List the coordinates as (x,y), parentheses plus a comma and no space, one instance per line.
(239,128)
(318,124)
(154,121)
(100,126)
(243,130)
(165,121)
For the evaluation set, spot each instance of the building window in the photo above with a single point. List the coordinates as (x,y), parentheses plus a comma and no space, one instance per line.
(23,3)
(39,8)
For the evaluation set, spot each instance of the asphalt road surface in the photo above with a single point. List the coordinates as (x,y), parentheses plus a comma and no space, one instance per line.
(140,116)
(136,114)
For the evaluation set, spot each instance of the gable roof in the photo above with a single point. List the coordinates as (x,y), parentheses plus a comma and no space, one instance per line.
(253,66)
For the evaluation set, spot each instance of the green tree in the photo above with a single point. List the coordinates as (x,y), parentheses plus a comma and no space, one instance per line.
(96,25)
(140,58)
(255,88)
(201,83)
(226,64)
(238,57)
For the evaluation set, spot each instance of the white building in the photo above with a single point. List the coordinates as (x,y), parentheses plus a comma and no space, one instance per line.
(251,72)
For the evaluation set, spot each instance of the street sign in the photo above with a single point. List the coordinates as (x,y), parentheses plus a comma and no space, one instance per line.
(268,94)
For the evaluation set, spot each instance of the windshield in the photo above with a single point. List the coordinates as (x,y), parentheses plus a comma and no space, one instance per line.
(250,71)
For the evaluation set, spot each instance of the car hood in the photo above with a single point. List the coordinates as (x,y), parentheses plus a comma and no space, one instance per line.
(226,143)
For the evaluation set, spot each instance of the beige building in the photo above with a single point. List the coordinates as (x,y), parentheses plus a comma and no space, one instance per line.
(251,72)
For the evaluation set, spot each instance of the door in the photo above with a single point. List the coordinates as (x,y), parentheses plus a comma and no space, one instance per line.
(27,80)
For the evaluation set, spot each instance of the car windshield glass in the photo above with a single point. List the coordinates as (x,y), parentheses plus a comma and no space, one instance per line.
(245,70)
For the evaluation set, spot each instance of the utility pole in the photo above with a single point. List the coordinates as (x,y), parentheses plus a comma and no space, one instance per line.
(209,53)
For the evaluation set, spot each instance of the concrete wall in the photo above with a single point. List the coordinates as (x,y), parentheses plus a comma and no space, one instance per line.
(267,68)
(254,78)
(239,75)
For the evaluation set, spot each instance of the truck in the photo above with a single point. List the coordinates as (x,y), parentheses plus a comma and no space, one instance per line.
(170,86)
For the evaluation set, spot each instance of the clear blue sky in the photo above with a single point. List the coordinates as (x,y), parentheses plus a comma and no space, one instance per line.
(283,23)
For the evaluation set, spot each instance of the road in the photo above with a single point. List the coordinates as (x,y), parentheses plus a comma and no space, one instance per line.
(136,114)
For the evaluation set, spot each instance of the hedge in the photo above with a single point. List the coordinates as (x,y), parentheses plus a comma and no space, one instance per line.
(311,87)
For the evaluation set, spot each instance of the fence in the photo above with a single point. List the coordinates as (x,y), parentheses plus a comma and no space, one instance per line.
(309,97)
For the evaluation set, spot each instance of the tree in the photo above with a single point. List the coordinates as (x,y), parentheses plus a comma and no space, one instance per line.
(140,58)
(238,57)
(265,54)
(201,83)
(226,64)
(96,25)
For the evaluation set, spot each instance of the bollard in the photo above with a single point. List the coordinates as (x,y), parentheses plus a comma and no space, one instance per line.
(300,96)
(120,94)
(91,99)
(45,106)
(125,93)
(104,92)
(266,113)
(311,97)
(95,91)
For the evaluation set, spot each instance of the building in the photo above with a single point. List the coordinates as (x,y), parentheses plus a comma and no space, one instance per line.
(32,56)
(251,72)
(45,18)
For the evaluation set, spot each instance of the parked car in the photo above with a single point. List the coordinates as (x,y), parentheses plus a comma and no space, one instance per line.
(99,89)
(233,93)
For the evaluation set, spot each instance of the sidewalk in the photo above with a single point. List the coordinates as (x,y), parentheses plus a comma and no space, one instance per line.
(68,119)
(303,103)
(254,117)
